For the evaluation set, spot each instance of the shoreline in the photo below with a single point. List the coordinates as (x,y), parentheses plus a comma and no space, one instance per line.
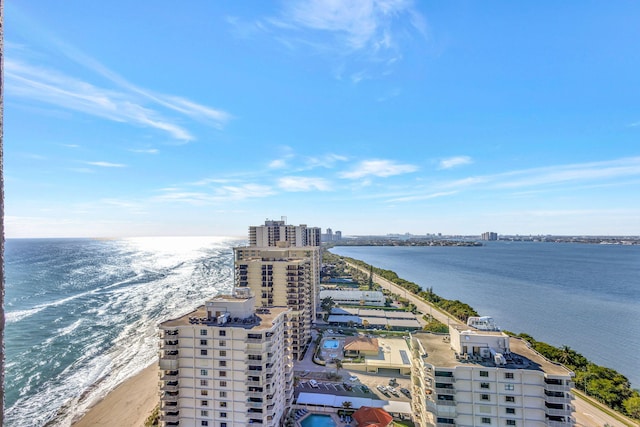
(129,404)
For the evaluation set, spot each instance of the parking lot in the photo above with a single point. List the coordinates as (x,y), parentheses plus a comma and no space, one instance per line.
(365,385)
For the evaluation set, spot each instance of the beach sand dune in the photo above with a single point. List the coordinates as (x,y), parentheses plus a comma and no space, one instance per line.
(128,405)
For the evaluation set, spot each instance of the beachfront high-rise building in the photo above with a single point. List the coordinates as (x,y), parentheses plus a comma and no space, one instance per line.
(281,266)
(226,364)
(485,378)
(273,233)
(283,277)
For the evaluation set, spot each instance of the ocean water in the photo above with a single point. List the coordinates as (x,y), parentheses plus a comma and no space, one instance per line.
(581,295)
(82,314)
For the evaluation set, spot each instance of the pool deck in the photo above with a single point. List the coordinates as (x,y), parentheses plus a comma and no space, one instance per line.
(332,352)
(334,417)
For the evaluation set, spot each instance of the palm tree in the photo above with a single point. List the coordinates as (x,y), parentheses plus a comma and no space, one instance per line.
(566,355)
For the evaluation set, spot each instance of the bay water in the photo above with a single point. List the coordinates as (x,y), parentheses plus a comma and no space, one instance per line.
(586,296)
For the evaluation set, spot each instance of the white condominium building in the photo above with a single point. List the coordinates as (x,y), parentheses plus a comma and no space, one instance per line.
(226,364)
(273,233)
(283,277)
(485,378)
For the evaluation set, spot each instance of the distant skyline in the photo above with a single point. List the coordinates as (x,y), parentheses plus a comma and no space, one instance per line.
(369,117)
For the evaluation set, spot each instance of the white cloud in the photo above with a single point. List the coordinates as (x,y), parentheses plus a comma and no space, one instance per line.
(423,196)
(453,162)
(278,164)
(379,168)
(145,150)
(106,164)
(298,183)
(50,87)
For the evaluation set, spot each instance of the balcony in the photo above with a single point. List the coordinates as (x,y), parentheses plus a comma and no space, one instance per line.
(255,404)
(556,399)
(556,387)
(570,421)
(169,418)
(447,391)
(558,412)
(170,386)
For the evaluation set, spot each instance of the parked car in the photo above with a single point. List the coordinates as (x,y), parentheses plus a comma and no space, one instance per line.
(353,378)
(393,382)
(382,389)
(347,386)
(313,383)
(365,389)
(393,391)
(405,392)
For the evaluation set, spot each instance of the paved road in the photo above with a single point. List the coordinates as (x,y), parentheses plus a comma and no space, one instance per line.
(423,306)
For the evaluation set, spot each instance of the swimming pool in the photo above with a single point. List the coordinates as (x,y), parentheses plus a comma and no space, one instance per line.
(318,420)
(330,344)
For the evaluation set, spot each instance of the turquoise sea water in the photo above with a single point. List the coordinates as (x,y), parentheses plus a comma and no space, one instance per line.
(82,315)
(580,295)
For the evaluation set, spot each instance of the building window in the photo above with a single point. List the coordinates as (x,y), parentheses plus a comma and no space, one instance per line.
(204,372)
(223,353)
(204,383)
(484,373)
(484,385)
(222,333)
(203,342)
(223,383)
(508,375)
(204,402)
(203,352)
(203,332)
(223,404)
(510,410)
(511,422)
(484,397)
(223,415)
(509,387)
(223,363)
(223,394)
(204,423)
(223,343)
(204,413)
(223,373)
(223,424)
(509,399)
(486,420)
(204,392)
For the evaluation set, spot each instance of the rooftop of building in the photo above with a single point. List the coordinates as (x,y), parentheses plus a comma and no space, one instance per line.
(439,353)
(263,318)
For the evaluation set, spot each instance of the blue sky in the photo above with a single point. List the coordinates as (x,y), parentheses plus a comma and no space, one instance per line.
(370,117)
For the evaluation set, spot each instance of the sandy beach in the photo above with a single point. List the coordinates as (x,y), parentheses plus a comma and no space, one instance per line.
(127,405)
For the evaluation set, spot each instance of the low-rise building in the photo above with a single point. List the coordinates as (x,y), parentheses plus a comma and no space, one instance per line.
(354,297)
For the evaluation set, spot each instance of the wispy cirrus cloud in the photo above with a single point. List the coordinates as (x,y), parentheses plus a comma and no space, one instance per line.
(300,183)
(216,194)
(453,162)
(120,100)
(368,35)
(145,150)
(53,88)
(106,164)
(379,168)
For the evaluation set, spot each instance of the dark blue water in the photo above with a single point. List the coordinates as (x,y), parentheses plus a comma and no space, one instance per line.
(583,296)
(82,314)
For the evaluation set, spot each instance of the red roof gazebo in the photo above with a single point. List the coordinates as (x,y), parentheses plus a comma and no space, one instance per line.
(368,416)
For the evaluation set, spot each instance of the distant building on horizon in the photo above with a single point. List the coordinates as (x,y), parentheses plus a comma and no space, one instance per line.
(330,236)
(489,236)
